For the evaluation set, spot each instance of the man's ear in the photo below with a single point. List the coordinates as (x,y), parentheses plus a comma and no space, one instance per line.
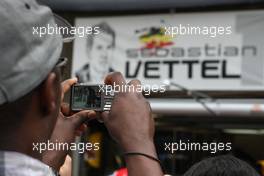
(50,94)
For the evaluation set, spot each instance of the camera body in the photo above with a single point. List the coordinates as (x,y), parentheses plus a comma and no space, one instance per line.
(90,97)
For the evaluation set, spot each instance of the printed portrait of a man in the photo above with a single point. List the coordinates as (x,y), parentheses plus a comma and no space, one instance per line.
(99,49)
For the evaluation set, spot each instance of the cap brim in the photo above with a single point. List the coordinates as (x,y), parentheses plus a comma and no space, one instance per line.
(62,23)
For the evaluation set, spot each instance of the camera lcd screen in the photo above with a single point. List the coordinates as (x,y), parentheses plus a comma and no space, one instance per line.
(86,97)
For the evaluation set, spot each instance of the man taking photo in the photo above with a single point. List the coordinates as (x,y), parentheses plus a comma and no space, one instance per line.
(31,101)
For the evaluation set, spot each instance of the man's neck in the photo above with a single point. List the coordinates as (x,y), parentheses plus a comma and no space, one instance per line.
(20,144)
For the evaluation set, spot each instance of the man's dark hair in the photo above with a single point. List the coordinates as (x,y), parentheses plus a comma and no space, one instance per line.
(103,28)
(225,165)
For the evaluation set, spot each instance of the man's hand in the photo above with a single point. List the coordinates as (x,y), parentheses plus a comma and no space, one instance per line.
(130,123)
(66,168)
(68,125)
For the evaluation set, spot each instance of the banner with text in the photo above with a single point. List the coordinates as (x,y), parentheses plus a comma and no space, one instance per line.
(199,51)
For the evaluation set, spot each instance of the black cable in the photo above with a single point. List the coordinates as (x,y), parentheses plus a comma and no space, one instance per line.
(145,155)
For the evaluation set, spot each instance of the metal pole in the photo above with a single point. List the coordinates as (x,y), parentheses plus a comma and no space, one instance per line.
(221,107)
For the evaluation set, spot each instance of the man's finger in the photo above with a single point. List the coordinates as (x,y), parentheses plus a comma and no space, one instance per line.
(134,82)
(66,85)
(65,109)
(82,116)
(115,77)
(66,168)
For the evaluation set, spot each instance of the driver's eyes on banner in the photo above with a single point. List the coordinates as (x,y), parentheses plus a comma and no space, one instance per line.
(209,51)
